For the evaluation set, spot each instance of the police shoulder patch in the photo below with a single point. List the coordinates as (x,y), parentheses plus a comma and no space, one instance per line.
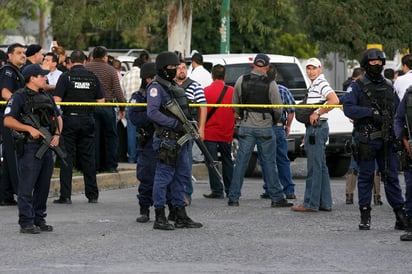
(153,92)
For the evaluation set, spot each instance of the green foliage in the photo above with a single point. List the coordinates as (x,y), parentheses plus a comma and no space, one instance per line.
(348,26)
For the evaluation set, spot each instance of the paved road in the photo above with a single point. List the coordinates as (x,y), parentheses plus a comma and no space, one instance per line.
(252,238)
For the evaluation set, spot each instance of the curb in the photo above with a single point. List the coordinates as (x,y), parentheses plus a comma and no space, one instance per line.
(125,178)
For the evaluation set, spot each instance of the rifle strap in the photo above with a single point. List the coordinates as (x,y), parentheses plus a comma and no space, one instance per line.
(213,110)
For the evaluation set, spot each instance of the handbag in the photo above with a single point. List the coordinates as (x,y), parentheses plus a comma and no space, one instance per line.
(302,114)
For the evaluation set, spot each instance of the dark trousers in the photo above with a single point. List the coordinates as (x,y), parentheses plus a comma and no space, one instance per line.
(33,190)
(106,133)
(145,172)
(78,136)
(8,175)
(225,150)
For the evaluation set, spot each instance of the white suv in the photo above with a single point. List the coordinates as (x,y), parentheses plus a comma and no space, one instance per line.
(291,74)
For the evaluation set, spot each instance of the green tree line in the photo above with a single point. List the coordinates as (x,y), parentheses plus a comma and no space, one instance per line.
(290,27)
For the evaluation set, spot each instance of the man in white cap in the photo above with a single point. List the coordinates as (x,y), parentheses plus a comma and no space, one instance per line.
(318,194)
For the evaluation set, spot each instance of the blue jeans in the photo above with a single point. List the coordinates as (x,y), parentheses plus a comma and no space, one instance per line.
(266,144)
(131,140)
(317,192)
(225,150)
(282,161)
(189,184)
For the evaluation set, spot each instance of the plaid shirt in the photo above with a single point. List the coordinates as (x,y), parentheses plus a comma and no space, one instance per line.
(287,99)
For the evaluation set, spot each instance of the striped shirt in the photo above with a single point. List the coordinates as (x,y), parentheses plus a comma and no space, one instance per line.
(318,91)
(195,93)
(109,79)
(287,99)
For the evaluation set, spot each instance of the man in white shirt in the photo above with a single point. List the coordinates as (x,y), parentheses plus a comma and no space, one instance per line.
(50,62)
(199,73)
(403,82)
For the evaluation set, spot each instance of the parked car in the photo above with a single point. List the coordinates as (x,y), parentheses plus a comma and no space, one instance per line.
(291,74)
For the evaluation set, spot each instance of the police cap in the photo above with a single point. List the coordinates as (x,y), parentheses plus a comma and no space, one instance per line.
(33,70)
(148,70)
(372,54)
(166,58)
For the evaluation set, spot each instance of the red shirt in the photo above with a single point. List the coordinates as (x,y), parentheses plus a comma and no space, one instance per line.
(220,126)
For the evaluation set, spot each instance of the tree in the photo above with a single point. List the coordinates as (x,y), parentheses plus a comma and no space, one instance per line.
(348,26)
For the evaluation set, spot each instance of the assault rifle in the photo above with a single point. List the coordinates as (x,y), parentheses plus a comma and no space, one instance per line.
(45,145)
(32,121)
(192,132)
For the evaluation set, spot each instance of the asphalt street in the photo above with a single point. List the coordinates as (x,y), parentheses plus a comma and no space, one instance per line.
(251,238)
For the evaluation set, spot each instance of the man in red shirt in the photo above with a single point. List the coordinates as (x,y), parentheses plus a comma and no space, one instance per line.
(219,129)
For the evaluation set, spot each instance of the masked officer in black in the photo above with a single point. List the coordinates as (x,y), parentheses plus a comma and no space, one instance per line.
(78,85)
(11,80)
(146,156)
(371,102)
(34,116)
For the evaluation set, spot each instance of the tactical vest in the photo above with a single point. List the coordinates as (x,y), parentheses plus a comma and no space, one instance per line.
(177,93)
(409,109)
(82,88)
(38,110)
(18,77)
(255,90)
(378,96)
(194,111)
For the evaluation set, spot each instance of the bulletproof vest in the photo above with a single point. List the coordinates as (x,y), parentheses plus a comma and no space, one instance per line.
(82,88)
(194,111)
(18,77)
(409,108)
(378,96)
(38,110)
(255,90)
(177,93)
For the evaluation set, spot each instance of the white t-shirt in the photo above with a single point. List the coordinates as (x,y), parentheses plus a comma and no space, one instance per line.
(202,76)
(402,83)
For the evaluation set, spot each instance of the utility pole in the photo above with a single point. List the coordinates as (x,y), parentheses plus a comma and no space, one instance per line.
(225,27)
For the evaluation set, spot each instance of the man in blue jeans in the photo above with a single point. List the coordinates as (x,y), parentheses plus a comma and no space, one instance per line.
(318,195)
(256,129)
(281,130)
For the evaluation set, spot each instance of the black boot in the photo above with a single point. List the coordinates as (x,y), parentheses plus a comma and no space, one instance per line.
(408,235)
(183,221)
(161,221)
(144,215)
(400,223)
(365,223)
(172,213)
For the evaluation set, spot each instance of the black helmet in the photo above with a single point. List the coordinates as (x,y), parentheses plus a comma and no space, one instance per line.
(372,54)
(148,70)
(166,58)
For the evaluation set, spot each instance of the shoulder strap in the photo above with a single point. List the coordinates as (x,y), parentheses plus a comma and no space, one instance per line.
(222,94)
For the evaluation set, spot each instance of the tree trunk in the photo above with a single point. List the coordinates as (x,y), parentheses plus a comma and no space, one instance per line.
(179,30)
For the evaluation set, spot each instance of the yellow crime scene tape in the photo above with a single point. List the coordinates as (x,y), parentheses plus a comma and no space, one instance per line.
(115,104)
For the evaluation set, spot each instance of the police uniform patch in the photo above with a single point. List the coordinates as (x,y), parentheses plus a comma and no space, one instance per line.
(7,110)
(153,92)
(349,89)
(8,73)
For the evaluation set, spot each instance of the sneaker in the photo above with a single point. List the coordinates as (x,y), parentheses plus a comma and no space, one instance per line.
(45,228)
(61,200)
(233,203)
(291,196)
(281,203)
(30,229)
(92,201)
(213,196)
(264,196)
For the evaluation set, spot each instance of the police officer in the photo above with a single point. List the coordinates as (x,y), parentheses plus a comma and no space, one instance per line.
(34,115)
(78,85)
(11,80)
(403,131)
(146,157)
(370,103)
(173,166)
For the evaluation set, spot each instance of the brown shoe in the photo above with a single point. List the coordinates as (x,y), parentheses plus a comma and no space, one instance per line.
(301,208)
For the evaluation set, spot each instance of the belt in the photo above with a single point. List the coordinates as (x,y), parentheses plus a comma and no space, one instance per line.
(280,124)
(171,134)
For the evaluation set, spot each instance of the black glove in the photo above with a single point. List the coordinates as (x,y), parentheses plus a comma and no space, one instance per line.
(377,117)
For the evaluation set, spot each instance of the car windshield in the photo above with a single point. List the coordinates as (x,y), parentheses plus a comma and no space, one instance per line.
(288,75)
